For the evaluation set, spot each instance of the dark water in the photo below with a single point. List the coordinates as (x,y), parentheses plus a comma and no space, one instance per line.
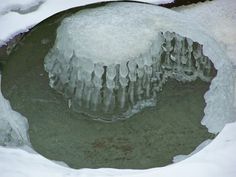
(177,3)
(149,139)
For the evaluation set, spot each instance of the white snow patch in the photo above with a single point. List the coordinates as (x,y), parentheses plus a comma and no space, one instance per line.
(219,17)
(217,159)
(179,158)
(9,13)
(20,6)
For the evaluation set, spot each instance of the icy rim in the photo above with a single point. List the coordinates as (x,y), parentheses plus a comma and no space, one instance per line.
(219,99)
(111,61)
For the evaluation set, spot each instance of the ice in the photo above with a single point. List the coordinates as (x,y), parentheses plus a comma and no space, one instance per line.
(22,7)
(13,126)
(109,64)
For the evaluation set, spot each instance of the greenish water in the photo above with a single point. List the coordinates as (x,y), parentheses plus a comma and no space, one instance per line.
(150,138)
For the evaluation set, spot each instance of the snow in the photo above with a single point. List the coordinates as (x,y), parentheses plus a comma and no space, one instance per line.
(20,6)
(217,159)
(13,126)
(179,158)
(11,11)
(104,35)
(219,17)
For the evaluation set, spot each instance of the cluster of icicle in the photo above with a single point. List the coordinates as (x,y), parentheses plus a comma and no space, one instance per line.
(117,91)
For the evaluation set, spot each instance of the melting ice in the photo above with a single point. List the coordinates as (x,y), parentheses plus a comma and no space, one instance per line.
(110,63)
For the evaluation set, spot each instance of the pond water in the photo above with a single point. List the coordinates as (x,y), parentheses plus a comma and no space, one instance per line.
(148,139)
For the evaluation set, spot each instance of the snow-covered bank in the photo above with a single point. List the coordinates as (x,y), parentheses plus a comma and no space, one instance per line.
(219,17)
(28,13)
(217,159)
(179,158)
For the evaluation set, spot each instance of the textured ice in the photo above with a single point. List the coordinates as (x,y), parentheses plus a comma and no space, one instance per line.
(13,126)
(112,61)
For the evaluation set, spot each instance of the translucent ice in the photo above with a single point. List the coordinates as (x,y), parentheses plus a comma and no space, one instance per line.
(13,126)
(112,61)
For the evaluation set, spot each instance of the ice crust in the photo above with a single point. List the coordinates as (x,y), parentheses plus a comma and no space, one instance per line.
(111,63)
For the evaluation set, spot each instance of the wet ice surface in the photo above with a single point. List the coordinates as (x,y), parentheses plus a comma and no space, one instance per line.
(111,64)
(151,138)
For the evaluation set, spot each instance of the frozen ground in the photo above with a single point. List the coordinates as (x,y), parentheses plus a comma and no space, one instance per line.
(217,159)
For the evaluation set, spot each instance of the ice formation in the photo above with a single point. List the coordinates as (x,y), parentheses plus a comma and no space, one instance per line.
(111,63)
(13,126)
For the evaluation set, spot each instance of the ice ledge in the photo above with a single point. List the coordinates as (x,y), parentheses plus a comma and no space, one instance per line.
(219,99)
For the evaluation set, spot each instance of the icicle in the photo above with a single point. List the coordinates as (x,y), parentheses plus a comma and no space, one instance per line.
(132,77)
(140,74)
(96,97)
(168,48)
(102,90)
(80,88)
(148,72)
(97,83)
(189,56)
(175,56)
(110,84)
(123,82)
(87,89)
